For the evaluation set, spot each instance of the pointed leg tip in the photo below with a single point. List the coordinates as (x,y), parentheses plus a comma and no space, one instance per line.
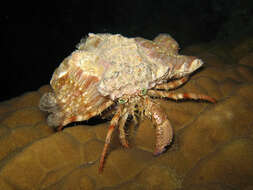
(214,101)
(157,151)
(101,166)
(126,145)
(100,170)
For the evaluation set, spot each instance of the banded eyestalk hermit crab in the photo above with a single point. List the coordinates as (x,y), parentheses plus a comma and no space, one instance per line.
(124,73)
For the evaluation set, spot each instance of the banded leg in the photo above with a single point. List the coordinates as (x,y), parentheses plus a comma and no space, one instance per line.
(113,124)
(164,131)
(122,134)
(172,84)
(180,96)
(86,116)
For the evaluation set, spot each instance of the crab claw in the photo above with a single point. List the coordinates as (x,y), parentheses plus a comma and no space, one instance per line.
(164,131)
(164,136)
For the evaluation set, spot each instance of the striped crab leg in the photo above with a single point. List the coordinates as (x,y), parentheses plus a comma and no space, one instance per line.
(113,124)
(180,96)
(122,134)
(172,84)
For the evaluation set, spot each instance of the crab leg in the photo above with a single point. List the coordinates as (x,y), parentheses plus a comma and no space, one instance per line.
(86,116)
(113,124)
(172,84)
(164,131)
(180,96)
(122,134)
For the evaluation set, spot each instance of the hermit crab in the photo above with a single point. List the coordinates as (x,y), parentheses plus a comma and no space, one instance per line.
(124,74)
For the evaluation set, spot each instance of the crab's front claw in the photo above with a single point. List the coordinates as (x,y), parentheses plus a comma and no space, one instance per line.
(164,136)
(164,131)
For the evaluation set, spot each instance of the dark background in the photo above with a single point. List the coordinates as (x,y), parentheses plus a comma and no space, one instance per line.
(36,37)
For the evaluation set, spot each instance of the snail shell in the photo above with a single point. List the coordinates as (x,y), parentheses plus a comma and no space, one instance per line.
(74,85)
